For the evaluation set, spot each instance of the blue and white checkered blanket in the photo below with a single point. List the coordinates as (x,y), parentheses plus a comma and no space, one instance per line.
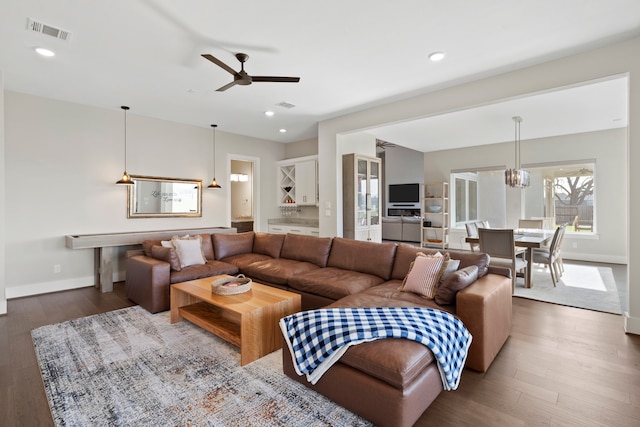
(318,338)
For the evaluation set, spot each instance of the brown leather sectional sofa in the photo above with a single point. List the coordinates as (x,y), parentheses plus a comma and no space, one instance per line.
(390,382)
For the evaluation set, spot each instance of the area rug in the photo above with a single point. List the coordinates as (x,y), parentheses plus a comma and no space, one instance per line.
(584,286)
(129,367)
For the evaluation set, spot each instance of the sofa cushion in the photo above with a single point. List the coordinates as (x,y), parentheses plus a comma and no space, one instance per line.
(446,293)
(395,361)
(268,244)
(148,244)
(277,271)
(405,254)
(210,268)
(243,260)
(364,257)
(229,244)
(207,246)
(333,283)
(311,249)
(167,255)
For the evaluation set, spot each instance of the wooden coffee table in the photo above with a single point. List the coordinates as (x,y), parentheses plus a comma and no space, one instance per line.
(248,321)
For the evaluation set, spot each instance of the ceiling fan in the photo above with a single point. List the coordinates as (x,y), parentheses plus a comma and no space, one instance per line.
(384,144)
(241,77)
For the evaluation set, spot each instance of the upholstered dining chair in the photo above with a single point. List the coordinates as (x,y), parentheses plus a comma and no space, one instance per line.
(499,244)
(551,256)
(472,231)
(530,223)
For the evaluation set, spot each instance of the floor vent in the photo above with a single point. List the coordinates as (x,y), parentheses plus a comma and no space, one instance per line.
(49,30)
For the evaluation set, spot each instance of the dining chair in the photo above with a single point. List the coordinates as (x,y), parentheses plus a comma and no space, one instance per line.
(472,231)
(551,256)
(499,244)
(530,223)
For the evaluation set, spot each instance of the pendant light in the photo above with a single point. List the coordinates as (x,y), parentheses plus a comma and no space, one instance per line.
(517,178)
(126,179)
(214,183)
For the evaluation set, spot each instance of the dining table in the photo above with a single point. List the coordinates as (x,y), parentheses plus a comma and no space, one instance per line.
(530,239)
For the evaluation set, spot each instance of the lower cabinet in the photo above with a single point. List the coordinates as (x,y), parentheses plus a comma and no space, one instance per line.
(293,229)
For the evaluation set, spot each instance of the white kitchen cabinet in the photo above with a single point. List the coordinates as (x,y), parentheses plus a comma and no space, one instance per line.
(306,183)
(298,182)
(293,229)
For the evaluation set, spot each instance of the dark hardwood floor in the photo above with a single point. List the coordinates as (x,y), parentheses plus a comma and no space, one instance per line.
(561,367)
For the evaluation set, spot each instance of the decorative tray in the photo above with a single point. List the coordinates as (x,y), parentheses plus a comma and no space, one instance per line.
(231,285)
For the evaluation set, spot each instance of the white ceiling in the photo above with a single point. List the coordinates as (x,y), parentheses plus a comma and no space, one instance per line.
(349,54)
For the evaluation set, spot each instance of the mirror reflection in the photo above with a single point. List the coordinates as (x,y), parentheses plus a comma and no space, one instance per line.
(163,197)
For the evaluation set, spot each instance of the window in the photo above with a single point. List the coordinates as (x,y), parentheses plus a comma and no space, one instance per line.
(465,197)
(564,194)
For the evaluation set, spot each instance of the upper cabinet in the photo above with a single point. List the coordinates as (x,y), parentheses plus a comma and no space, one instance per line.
(298,181)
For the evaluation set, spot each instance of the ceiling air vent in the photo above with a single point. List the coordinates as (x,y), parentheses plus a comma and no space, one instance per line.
(49,30)
(285,105)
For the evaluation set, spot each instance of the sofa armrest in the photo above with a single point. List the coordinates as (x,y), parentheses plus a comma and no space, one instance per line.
(502,271)
(147,282)
(485,309)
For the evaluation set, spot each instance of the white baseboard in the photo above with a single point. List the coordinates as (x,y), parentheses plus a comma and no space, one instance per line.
(609,259)
(47,287)
(3,306)
(55,286)
(632,325)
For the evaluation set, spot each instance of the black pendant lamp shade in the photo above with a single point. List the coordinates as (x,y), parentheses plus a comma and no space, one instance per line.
(214,183)
(126,179)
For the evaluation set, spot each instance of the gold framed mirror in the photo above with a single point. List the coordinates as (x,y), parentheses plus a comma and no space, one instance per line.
(158,197)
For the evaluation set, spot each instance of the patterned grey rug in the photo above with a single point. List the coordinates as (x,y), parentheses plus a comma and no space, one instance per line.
(590,286)
(129,367)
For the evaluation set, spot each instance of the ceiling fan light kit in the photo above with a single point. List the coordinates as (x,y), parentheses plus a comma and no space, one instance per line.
(241,77)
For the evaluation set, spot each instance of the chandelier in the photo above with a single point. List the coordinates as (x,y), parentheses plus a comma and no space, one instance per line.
(517,178)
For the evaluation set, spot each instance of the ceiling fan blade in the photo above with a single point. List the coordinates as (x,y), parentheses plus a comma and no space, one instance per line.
(219,63)
(227,86)
(275,79)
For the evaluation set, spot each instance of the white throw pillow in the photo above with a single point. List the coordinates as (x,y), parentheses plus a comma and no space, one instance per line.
(189,252)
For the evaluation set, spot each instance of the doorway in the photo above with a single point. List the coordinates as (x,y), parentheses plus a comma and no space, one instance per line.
(244,192)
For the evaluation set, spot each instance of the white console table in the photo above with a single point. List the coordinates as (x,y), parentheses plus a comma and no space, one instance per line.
(103,245)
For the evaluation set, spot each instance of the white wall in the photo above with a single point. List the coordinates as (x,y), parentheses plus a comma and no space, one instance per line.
(616,59)
(3,300)
(403,166)
(62,161)
(308,147)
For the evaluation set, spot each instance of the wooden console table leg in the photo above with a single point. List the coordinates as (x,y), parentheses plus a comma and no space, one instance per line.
(105,272)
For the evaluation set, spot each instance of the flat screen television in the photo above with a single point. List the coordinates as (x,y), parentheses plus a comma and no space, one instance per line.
(404,193)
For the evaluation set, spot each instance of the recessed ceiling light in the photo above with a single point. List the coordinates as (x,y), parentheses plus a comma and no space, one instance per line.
(269,113)
(436,56)
(44,52)
(283,130)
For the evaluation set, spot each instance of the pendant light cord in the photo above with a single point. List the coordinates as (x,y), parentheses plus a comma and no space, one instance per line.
(518,120)
(125,108)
